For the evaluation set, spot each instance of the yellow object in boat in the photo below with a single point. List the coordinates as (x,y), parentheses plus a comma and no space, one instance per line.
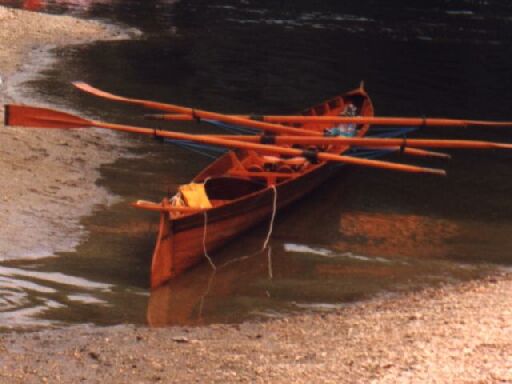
(195,196)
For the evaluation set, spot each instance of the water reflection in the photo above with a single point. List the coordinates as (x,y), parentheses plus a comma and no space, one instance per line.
(26,296)
(182,301)
(290,277)
(396,234)
(434,21)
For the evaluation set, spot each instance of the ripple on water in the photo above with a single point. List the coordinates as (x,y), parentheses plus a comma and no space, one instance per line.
(26,295)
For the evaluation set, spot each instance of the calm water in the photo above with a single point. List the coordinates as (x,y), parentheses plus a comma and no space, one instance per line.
(363,233)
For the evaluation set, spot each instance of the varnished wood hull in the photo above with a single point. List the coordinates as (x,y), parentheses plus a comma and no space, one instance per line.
(182,241)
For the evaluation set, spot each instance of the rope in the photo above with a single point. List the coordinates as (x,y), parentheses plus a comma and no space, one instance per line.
(202,149)
(205,232)
(232,128)
(274,210)
(176,200)
(390,132)
(269,259)
(205,213)
(205,294)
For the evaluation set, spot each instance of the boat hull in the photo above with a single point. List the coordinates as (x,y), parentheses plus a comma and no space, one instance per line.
(184,242)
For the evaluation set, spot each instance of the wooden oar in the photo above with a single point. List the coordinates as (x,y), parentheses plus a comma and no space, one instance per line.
(368,141)
(19,115)
(374,120)
(159,207)
(197,113)
(415,152)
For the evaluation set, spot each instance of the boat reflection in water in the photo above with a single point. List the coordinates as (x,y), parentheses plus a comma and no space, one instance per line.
(373,252)
(394,234)
(182,300)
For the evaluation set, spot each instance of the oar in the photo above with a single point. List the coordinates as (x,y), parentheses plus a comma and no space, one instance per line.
(416,152)
(26,116)
(197,113)
(374,120)
(368,141)
(159,207)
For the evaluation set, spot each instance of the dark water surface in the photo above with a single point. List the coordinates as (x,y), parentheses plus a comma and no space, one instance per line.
(363,233)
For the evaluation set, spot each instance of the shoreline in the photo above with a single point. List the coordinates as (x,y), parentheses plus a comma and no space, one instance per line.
(455,333)
(48,178)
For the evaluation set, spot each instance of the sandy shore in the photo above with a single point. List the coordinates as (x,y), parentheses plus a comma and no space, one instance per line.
(454,334)
(48,177)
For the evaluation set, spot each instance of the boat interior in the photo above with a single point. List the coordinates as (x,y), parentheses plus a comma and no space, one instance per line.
(243,172)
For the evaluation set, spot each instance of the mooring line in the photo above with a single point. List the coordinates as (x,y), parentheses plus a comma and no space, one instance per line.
(274,210)
(269,260)
(205,232)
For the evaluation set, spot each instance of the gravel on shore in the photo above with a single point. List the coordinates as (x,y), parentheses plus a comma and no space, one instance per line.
(453,334)
(22,31)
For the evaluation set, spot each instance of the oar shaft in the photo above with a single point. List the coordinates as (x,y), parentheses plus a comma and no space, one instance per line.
(264,126)
(371,142)
(198,113)
(374,120)
(378,120)
(418,152)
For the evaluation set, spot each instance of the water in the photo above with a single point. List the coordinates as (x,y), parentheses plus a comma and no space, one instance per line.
(364,233)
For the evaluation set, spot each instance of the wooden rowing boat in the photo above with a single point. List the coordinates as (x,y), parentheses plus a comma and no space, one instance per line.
(243,192)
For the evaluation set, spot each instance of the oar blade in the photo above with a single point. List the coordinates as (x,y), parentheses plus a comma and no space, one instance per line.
(433,171)
(35,117)
(424,153)
(399,167)
(502,146)
(98,92)
(127,100)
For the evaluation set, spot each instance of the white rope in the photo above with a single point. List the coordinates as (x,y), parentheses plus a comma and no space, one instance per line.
(269,259)
(205,213)
(176,200)
(274,210)
(205,294)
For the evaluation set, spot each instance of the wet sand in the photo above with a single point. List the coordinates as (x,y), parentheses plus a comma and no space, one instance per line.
(458,334)
(48,177)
